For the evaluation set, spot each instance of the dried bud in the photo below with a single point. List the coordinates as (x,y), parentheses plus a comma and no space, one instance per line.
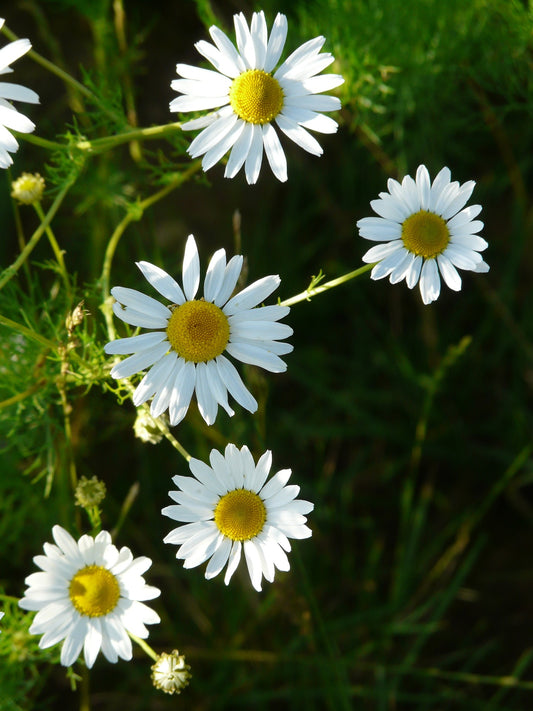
(170,673)
(75,318)
(89,492)
(28,188)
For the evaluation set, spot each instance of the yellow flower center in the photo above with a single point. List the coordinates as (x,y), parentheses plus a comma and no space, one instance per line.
(256,96)
(198,331)
(94,591)
(240,515)
(425,234)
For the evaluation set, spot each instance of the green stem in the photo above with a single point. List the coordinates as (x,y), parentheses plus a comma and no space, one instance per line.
(144,645)
(308,293)
(15,326)
(10,272)
(22,396)
(85,700)
(58,253)
(42,142)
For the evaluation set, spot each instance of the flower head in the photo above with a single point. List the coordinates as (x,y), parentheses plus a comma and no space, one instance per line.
(189,338)
(170,673)
(230,506)
(89,595)
(424,229)
(28,188)
(10,118)
(89,492)
(251,97)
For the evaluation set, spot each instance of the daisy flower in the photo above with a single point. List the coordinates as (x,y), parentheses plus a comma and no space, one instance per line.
(229,506)
(10,118)
(189,337)
(251,97)
(425,230)
(89,595)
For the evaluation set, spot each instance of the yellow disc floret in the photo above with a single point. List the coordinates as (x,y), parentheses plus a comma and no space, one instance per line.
(198,331)
(94,591)
(240,515)
(256,96)
(425,234)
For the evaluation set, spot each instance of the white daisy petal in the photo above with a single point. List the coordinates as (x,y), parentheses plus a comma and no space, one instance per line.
(89,611)
(139,302)
(259,33)
(213,155)
(139,361)
(276,42)
(274,152)
(162,282)
(227,48)
(425,232)
(155,378)
(233,562)
(207,403)
(255,355)
(182,392)
(232,273)
(191,269)
(429,281)
(166,385)
(299,135)
(449,272)
(214,275)
(252,295)
(134,343)
(240,151)
(252,165)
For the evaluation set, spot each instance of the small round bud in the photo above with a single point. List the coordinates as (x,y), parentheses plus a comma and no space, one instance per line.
(89,492)
(170,673)
(28,188)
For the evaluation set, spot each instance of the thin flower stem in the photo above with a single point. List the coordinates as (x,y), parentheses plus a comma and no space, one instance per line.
(309,293)
(10,272)
(15,326)
(22,396)
(125,509)
(85,700)
(42,142)
(144,646)
(58,253)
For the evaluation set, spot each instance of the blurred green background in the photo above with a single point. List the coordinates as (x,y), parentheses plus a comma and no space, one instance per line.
(408,426)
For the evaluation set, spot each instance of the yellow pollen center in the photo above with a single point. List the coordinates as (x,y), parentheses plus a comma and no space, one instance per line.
(240,515)
(94,591)
(198,331)
(256,96)
(425,234)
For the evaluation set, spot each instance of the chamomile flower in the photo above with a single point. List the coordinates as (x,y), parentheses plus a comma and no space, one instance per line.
(426,232)
(190,336)
(89,594)
(10,118)
(251,97)
(230,506)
